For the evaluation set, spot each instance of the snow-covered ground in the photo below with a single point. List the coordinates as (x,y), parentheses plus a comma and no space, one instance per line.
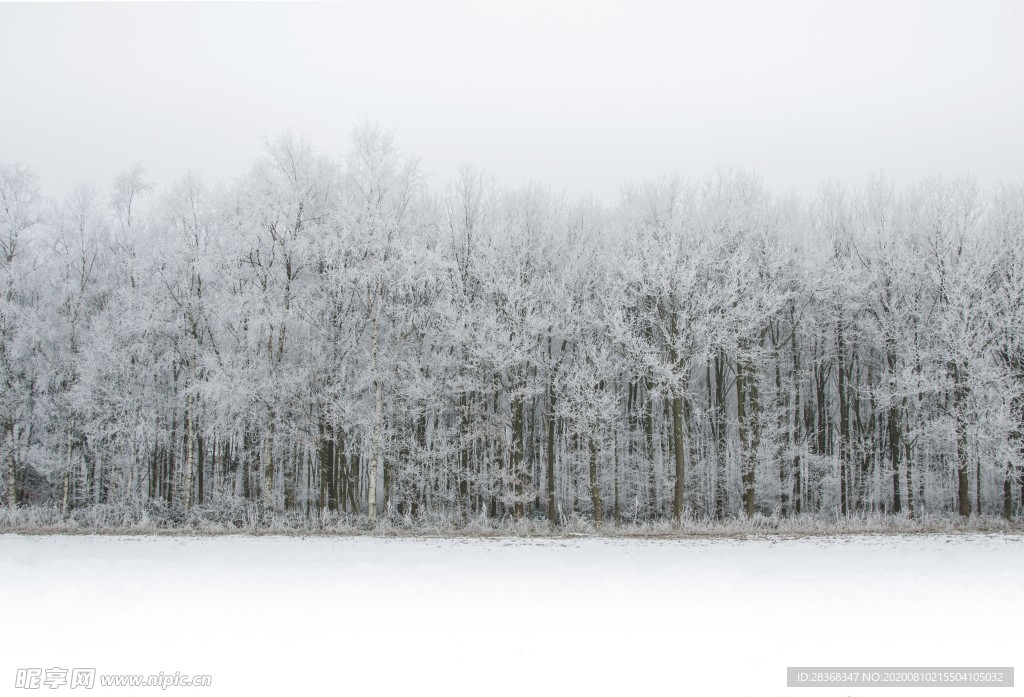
(370,616)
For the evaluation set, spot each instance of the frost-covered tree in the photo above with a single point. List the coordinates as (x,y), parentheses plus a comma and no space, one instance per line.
(20,217)
(331,337)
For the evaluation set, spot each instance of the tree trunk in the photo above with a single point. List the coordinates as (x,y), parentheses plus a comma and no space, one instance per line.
(1017,442)
(267,489)
(387,464)
(422,457)
(186,498)
(679,445)
(959,397)
(895,449)
(464,453)
(200,466)
(977,484)
(616,509)
(754,419)
(782,424)
(647,405)
(820,378)
(844,420)
(718,428)
(12,467)
(325,456)
(797,437)
(746,460)
(595,487)
(65,500)
(339,471)
(908,466)
(169,464)
(516,451)
(1008,492)
(549,418)
(378,422)
(249,467)
(355,464)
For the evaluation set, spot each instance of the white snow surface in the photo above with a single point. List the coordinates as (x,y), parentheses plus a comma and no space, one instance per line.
(366,615)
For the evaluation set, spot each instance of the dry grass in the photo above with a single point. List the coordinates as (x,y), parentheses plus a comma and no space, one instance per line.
(232,518)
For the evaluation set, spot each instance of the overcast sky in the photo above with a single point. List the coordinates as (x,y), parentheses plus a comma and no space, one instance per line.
(579,96)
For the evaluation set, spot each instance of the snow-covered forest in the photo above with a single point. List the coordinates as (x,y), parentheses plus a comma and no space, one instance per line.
(341,337)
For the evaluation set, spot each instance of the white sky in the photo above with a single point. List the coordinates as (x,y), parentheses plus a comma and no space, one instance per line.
(579,96)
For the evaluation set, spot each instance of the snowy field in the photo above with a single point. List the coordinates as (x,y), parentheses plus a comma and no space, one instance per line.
(336,616)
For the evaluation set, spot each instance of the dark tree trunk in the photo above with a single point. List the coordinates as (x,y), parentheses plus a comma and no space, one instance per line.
(549,418)
(895,449)
(956,372)
(326,462)
(518,407)
(797,437)
(844,420)
(12,466)
(718,428)
(200,461)
(1008,492)
(464,453)
(746,459)
(679,445)
(595,488)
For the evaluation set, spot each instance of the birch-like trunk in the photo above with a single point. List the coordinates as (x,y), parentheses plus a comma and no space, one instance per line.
(844,420)
(66,494)
(464,454)
(679,445)
(595,486)
(378,417)
(12,468)
(1008,491)
(516,449)
(718,429)
(908,466)
(744,428)
(895,451)
(616,507)
(797,437)
(549,418)
(678,438)
(186,499)
(268,464)
(957,371)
